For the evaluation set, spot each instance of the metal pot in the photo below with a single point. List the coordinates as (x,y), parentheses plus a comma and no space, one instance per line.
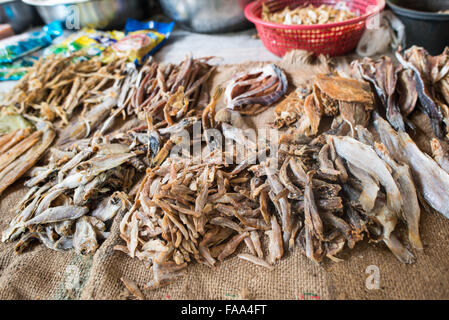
(18,14)
(423,25)
(207,16)
(99,14)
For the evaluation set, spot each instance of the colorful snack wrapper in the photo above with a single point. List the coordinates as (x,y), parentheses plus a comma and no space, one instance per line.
(19,46)
(92,41)
(142,39)
(17,69)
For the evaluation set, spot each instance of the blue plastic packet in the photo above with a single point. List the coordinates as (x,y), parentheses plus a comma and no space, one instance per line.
(17,69)
(142,39)
(19,46)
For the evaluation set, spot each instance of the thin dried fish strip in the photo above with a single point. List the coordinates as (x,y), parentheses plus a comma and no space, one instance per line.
(257,261)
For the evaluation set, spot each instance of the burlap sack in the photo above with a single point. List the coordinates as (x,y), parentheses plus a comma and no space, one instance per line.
(44,274)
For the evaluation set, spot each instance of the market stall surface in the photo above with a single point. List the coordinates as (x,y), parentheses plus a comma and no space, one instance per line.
(43,274)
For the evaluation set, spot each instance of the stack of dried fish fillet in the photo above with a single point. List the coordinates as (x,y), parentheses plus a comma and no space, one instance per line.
(73,198)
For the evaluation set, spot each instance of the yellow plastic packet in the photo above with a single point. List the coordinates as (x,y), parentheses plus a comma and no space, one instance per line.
(142,39)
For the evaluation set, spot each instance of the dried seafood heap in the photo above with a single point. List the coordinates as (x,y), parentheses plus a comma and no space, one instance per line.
(322,194)
(72,199)
(55,86)
(170,98)
(309,15)
(21,148)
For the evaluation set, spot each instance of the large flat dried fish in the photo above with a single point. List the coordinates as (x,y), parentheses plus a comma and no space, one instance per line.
(365,158)
(432,180)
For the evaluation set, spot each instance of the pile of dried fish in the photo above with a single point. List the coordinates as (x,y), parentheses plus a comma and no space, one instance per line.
(171,98)
(72,199)
(55,86)
(309,14)
(106,109)
(165,92)
(322,194)
(188,210)
(252,92)
(20,149)
(420,80)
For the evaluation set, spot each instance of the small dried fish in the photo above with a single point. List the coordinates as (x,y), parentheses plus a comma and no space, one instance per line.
(255,260)
(57,214)
(133,288)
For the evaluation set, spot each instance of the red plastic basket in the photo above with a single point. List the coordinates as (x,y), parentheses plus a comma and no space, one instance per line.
(332,39)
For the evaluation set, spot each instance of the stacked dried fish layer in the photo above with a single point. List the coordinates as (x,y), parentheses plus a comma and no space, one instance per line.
(166,93)
(72,199)
(170,98)
(55,86)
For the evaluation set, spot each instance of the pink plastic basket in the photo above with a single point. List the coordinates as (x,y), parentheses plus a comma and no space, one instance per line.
(332,39)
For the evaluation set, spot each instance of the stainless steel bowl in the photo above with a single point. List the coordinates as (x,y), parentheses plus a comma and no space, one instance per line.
(99,14)
(18,14)
(207,16)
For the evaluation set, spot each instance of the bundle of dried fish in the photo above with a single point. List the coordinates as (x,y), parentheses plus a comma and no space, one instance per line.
(21,149)
(166,93)
(253,91)
(429,71)
(371,166)
(107,107)
(171,98)
(349,100)
(55,86)
(383,75)
(432,180)
(309,15)
(73,198)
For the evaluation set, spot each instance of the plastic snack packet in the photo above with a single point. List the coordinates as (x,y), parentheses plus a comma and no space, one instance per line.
(94,42)
(142,39)
(19,46)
